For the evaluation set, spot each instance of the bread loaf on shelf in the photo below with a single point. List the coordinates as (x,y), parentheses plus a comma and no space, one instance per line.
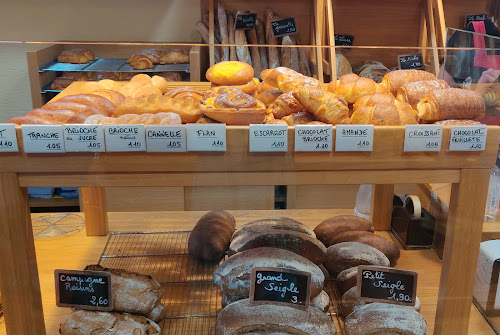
(342,65)
(395,79)
(321,301)
(333,226)
(273,223)
(272,52)
(371,69)
(224,33)
(76,56)
(347,279)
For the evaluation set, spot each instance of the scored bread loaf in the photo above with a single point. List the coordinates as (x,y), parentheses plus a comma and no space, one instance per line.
(413,92)
(82,322)
(242,317)
(347,279)
(223,31)
(299,243)
(275,222)
(333,226)
(342,256)
(134,293)
(211,236)
(395,79)
(232,277)
(452,103)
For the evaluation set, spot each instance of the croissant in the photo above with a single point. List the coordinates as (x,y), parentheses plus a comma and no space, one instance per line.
(140,61)
(284,105)
(290,82)
(164,119)
(452,103)
(383,114)
(76,56)
(298,118)
(414,91)
(395,79)
(385,98)
(492,96)
(351,87)
(174,57)
(325,106)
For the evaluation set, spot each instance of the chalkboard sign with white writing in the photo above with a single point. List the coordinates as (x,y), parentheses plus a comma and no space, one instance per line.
(284,27)
(280,286)
(387,285)
(346,40)
(83,289)
(246,21)
(411,62)
(475,17)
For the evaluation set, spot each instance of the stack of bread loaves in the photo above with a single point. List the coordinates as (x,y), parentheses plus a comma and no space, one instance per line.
(136,308)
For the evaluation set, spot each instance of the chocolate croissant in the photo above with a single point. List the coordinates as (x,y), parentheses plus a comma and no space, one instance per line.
(413,92)
(325,106)
(452,103)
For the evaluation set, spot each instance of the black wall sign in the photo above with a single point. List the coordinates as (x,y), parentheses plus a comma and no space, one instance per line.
(246,21)
(284,27)
(344,40)
(83,289)
(280,286)
(387,285)
(411,62)
(475,17)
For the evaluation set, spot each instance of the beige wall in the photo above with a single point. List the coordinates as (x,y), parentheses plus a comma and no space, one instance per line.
(91,20)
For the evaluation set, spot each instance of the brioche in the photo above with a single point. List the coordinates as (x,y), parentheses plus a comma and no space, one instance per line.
(395,79)
(32,120)
(230,73)
(58,116)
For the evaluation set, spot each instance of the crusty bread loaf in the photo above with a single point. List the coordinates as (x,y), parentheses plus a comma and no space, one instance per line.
(58,116)
(210,238)
(345,255)
(321,301)
(233,276)
(380,318)
(81,322)
(229,299)
(325,272)
(389,249)
(134,293)
(347,279)
(299,243)
(275,222)
(333,226)
(242,317)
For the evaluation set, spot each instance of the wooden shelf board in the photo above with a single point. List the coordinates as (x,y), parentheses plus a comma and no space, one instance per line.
(54,202)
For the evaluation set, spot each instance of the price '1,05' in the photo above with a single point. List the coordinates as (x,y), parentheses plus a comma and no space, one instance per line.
(53,146)
(98,302)
(432,145)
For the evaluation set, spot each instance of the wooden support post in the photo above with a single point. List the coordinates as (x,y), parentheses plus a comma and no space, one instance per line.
(441,23)
(19,284)
(331,41)
(461,249)
(319,11)
(94,207)
(211,36)
(423,38)
(432,31)
(381,206)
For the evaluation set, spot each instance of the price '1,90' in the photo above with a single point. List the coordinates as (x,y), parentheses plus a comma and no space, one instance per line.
(98,301)
(400,297)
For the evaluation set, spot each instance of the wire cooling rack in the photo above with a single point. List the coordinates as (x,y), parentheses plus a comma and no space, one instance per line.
(191,299)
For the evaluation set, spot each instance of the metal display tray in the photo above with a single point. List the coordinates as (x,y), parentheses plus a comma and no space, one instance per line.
(110,65)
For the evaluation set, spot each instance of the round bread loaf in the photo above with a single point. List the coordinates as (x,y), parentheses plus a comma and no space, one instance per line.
(229,299)
(346,255)
(325,272)
(278,222)
(243,318)
(327,230)
(211,236)
(347,279)
(387,247)
(387,319)
(299,243)
(233,276)
(321,301)
(352,302)
(230,73)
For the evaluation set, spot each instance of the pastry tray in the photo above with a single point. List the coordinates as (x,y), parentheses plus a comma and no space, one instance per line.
(191,299)
(110,65)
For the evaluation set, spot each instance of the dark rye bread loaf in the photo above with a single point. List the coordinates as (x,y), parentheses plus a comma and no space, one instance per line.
(347,279)
(387,319)
(328,229)
(210,237)
(386,247)
(346,255)
(299,243)
(243,318)
(321,301)
(233,276)
(277,222)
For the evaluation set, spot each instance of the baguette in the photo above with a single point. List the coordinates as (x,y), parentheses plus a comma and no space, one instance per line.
(254,50)
(221,15)
(261,39)
(272,52)
(242,51)
(232,47)
(203,30)
(304,67)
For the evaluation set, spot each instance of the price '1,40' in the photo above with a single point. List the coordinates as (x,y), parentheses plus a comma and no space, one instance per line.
(6,144)
(279,144)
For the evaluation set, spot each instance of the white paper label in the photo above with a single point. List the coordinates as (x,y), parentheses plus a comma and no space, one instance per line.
(268,137)
(166,138)
(206,137)
(84,138)
(125,137)
(313,137)
(468,138)
(8,138)
(43,139)
(354,138)
(423,138)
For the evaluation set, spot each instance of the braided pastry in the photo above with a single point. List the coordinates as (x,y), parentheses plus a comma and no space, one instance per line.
(325,106)
(164,119)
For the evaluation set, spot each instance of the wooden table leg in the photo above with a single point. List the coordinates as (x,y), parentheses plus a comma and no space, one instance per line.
(94,207)
(22,300)
(381,206)
(461,249)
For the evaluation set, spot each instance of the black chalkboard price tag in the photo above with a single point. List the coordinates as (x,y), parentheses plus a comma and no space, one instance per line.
(83,289)
(284,27)
(378,283)
(246,21)
(411,62)
(475,17)
(344,40)
(281,287)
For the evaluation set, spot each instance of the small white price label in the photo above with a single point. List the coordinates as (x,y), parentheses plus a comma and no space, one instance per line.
(166,138)
(313,137)
(42,138)
(468,138)
(8,138)
(84,138)
(123,137)
(423,137)
(206,137)
(354,138)
(268,137)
